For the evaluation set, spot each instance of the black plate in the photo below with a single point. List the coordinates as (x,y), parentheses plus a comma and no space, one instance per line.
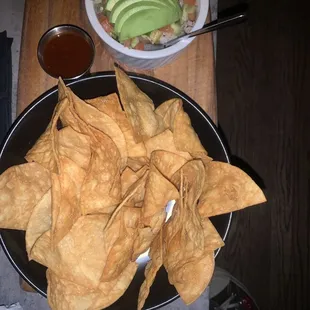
(32,123)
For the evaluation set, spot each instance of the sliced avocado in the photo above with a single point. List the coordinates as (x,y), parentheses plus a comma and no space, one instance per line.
(122,5)
(146,21)
(110,4)
(129,11)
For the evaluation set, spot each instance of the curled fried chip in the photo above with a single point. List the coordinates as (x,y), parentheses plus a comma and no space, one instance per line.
(43,152)
(212,238)
(21,188)
(136,163)
(101,189)
(185,137)
(111,106)
(193,277)
(75,146)
(159,191)
(81,255)
(139,108)
(121,251)
(227,189)
(165,142)
(102,122)
(40,221)
(66,295)
(168,111)
(166,162)
(66,190)
(151,269)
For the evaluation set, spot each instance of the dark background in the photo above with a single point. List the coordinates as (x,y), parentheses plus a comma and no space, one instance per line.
(263,84)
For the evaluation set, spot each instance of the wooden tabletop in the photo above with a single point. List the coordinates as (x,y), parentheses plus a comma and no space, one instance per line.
(192,72)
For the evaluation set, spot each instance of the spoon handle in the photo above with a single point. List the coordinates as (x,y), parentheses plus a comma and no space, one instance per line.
(212,26)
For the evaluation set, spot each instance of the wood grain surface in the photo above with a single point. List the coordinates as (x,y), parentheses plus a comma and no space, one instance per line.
(263,79)
(192,72)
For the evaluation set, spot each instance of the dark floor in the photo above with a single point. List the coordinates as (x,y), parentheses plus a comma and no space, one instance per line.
(263,82)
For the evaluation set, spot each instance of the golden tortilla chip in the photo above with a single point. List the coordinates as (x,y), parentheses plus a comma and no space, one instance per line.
(128,178)
(65,295)
(194,277)
(168,111)
(136,163)
(139,108)
(159,191)
(185,137)
(213,240)
(21,188)
(120,254)
(43,152)
(165,142)
(227,189)
(151,269)
(74,146)
(134,193)
(102,122)
(111,106)
(101,190)
(113,290)
(40,221)
(81,255)
(66,189)
(193,173)
(166,162)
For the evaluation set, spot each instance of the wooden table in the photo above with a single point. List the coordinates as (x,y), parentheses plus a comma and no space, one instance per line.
(192,72)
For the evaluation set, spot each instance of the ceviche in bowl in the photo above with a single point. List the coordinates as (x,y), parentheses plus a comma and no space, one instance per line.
(125,26)
(134,23)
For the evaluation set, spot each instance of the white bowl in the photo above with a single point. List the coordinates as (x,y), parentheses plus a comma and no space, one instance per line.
(144,59)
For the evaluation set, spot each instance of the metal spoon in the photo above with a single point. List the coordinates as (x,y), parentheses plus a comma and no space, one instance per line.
(214,25)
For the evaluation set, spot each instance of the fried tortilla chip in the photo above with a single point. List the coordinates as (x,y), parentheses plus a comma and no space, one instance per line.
(185,137)
(227,189)
(136,163)
(40,221)
(43,152)
(193,277)
(194,177)
(128,178)
(66,295)
(134,193)
(75,146)
(121,251)
(156,254)
(166,162)
(168,110)
(66,189)
(101,190)
(159,191)
(81,255)
(165,142)
(139,108)
(213,240)
(21,188)
(102,122)
(111,106)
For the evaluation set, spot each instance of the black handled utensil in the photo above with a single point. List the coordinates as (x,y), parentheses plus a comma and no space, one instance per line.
(237,15)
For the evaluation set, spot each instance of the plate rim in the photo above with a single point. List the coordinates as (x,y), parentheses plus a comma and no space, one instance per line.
(110,74)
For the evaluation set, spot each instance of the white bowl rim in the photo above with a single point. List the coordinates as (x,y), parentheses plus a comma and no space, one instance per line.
(203,12)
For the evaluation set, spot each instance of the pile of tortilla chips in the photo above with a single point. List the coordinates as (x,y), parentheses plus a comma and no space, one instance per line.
(93,197)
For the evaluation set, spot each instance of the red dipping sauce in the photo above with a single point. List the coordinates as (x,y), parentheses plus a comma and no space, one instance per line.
(66,51)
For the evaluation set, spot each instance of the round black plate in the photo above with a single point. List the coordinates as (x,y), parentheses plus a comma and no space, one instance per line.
(32,123)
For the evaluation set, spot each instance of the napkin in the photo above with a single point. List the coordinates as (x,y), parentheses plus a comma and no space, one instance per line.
(5,84)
